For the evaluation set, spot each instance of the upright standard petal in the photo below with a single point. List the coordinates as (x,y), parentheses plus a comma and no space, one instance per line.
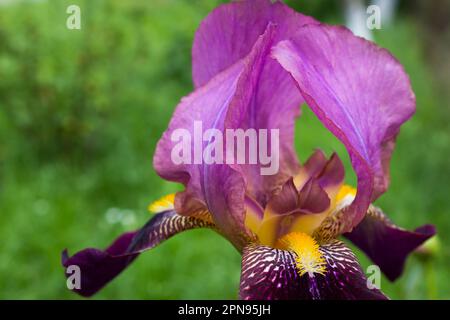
(385,243)
(360,93)
(226,36)
(229,32)
(98,267)
(271,274)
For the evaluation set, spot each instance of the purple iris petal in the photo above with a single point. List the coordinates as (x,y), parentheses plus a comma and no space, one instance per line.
(98,267)
(360,93)
(221,187)
(229,32)
(270,274)
(227,35)
(204,104)
(385,243)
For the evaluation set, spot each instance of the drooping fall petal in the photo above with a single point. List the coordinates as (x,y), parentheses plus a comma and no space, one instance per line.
(271,274)
(98,267)
(360,93)
(386,244)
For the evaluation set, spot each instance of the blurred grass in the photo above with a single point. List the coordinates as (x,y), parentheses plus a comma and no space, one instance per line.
(80,115)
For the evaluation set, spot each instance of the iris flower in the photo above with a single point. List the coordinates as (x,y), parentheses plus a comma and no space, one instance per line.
(254,63)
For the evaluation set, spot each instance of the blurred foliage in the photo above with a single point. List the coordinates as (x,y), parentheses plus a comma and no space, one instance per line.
(61,89)
(324,10)
(81,112)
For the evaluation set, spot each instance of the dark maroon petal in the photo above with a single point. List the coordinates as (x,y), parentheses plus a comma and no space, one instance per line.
(359,92)
(98,267)
(312,197)
(386,244)
(329,173)
(286,200)
(315,163)
(270,274)
(344,278)
(333,172)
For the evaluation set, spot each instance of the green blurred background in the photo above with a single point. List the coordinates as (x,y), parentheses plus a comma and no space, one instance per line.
(82,110)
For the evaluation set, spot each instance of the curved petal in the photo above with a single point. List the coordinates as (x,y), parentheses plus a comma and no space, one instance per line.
(287,200)
(219,186)
(201,107)
(332,176)
(386,244)
(270,274)
(313,198)
(98,267)
(360,93)
(228,35)
(311,168)
(328,173)
(229,32)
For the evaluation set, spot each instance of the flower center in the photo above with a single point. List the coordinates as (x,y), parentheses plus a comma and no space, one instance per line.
(308,259)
